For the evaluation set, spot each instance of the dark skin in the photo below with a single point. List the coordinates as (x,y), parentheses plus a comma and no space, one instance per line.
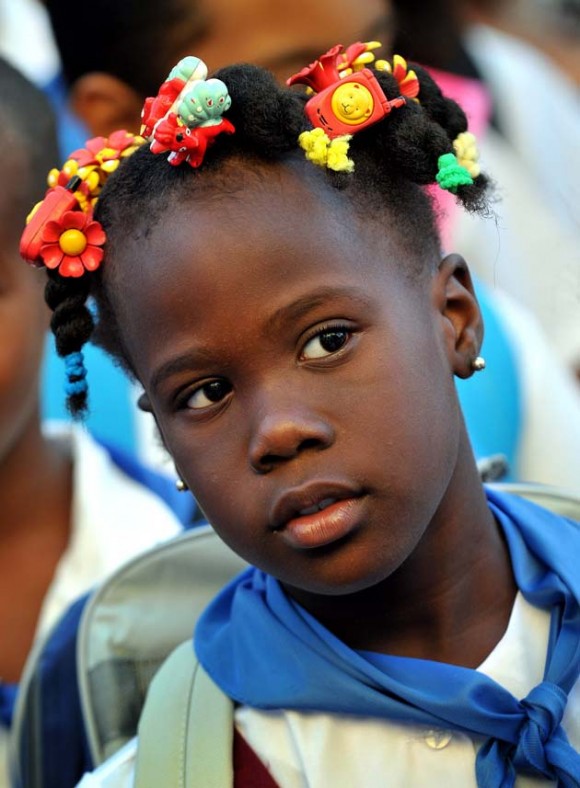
(291,361)
(35,473)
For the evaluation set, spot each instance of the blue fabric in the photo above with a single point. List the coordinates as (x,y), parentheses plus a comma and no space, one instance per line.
(8,694)
(65,752)
(303,666)
(53,748)
(491,401)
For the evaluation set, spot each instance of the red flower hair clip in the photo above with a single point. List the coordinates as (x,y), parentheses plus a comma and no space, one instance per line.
(61,233)
(73,243)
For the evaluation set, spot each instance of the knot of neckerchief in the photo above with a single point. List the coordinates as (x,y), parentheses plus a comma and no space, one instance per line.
(542,747)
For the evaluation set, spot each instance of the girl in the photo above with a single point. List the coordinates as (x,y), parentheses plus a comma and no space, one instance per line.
(273,278)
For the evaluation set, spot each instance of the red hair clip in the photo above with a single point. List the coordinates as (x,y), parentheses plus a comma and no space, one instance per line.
(61,235)
(56,203)
(61,232)
(343,105)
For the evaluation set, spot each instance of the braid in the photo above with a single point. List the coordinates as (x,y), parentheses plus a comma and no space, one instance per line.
(72,325)
(63,236)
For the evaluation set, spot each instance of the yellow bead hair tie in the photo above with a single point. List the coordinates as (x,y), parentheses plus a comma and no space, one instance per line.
(324,152)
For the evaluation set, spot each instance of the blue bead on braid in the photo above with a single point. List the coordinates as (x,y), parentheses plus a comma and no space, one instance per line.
(76,373)
(75,387)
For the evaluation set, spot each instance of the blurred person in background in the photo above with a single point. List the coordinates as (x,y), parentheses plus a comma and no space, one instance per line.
(551,25)
(27,42)
(71,510)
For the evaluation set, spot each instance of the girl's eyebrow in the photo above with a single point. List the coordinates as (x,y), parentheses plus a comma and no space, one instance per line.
(293,311)
(183,362)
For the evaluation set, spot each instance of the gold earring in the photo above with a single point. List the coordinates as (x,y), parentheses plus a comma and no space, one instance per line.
(478,364)
(181,485)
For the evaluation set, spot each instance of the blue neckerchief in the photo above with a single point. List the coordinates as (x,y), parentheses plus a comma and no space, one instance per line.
(265,651)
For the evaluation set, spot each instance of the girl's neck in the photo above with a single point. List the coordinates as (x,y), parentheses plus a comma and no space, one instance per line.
(451,599)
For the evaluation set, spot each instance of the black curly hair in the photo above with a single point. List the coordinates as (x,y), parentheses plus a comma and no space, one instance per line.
(394,159)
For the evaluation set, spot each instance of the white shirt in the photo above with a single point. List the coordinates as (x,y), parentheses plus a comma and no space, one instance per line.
(113,518)
(315,750)
(548,450)
(27,41)
(538,105)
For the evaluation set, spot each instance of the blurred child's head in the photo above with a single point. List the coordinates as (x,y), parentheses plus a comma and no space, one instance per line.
(27,148)
(130,46)
(294,328)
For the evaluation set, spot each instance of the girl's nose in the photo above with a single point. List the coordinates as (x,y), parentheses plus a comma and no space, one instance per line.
(283,435)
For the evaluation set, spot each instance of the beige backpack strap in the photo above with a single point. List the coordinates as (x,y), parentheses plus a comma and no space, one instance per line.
(186,728)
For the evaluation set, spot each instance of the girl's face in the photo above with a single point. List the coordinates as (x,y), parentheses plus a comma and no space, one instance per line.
(300,379)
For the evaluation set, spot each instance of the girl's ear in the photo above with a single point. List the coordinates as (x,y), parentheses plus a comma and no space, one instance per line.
(106,104)
(454,298)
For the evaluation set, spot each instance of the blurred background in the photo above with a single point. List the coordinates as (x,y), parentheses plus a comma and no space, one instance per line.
(551,25)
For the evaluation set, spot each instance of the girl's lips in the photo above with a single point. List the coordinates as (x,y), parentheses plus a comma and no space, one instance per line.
(323,527)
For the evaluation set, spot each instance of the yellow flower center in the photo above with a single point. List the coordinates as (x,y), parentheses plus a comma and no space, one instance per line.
(72,242)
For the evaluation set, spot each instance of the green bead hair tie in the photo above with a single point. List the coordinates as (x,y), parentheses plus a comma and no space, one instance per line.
(451,174)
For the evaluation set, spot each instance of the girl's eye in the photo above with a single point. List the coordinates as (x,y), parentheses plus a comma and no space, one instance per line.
(326,343)
(208,394)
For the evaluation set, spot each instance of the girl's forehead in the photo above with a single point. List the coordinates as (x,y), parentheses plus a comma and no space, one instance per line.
(258,228)
(214,201)
(221,298)
(236,235)
(254,253)
(272,214)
